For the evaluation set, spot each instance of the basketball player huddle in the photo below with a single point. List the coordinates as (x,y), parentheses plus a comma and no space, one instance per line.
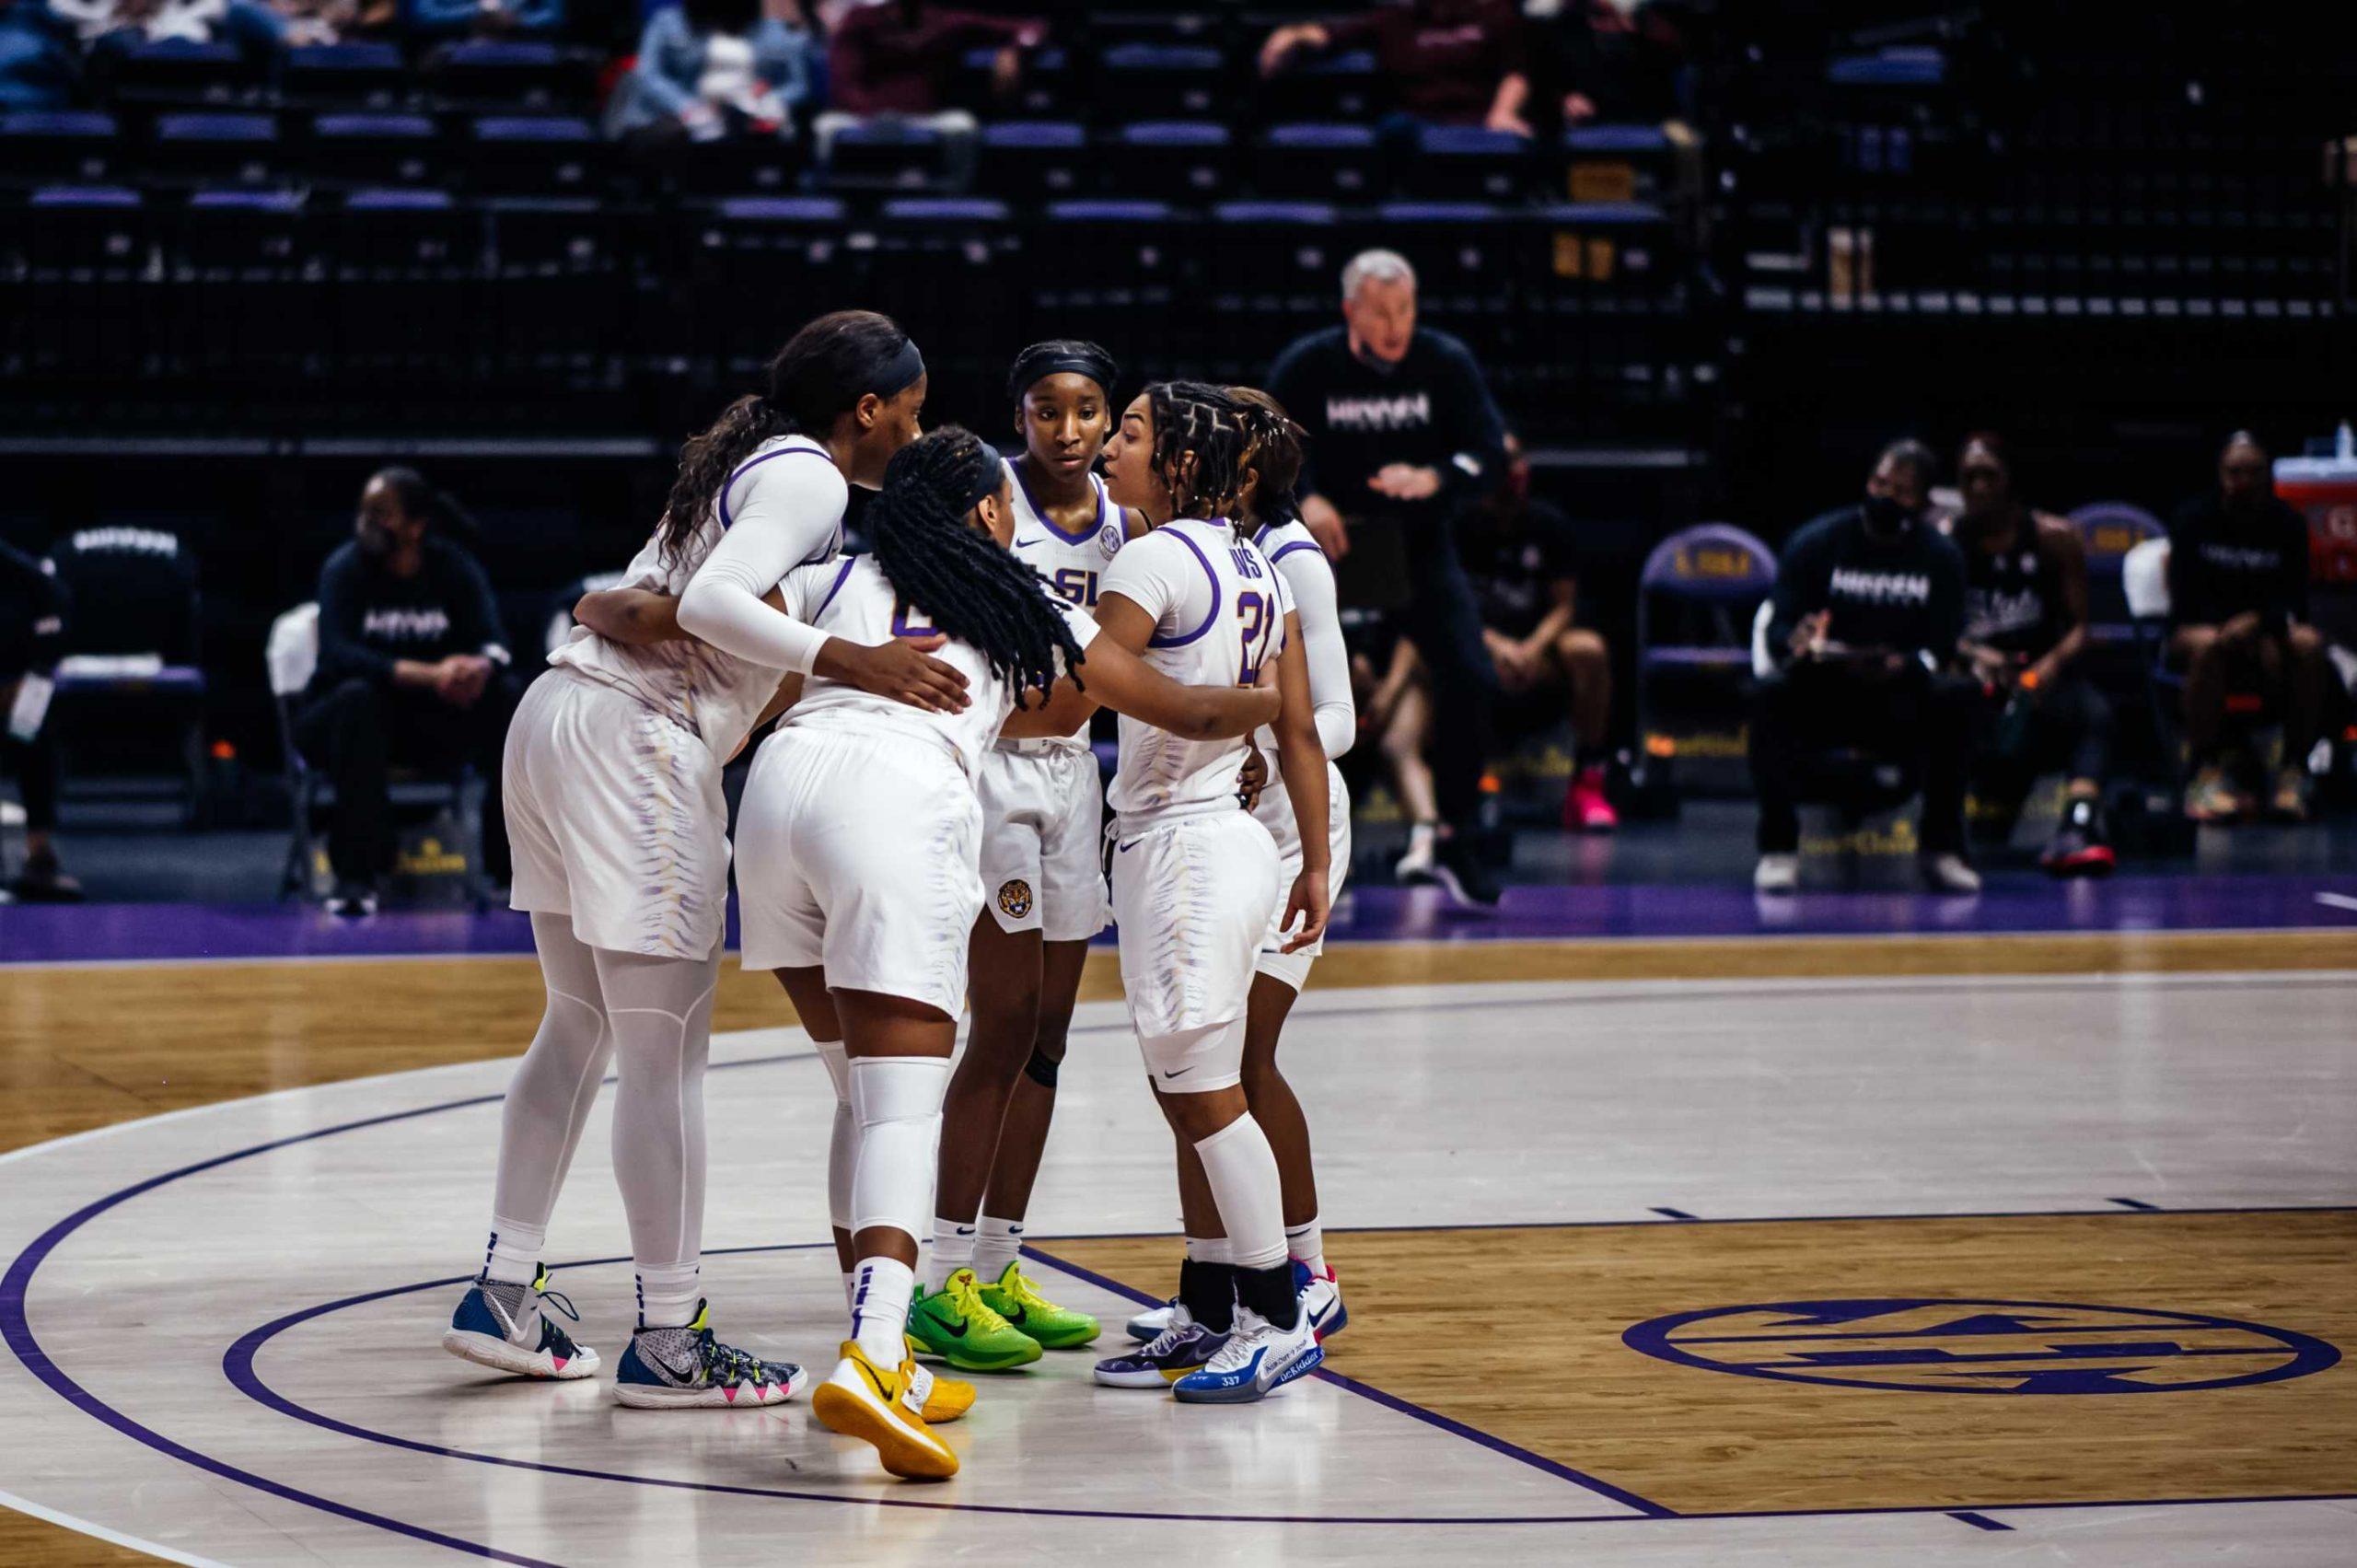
(922,834)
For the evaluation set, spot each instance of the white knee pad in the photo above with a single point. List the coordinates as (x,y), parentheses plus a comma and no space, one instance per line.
(897,1102)
(842,1144)
(1192,1061)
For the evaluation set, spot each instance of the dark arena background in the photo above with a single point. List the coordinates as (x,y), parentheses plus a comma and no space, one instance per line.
(1846,973)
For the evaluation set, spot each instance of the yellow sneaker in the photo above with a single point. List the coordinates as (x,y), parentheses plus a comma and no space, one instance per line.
(940,1399)
(881,1408)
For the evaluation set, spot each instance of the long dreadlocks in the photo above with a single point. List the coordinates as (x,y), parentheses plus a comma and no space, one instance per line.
(963,582)
(1199,442)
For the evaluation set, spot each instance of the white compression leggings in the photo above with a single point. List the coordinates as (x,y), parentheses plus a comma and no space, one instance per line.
(650,1018)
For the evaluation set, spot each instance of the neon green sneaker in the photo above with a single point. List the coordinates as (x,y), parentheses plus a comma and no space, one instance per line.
(955,1324)
(1018,1301)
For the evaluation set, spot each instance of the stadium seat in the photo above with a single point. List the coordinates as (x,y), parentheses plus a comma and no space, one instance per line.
(1042,94)
(2110,530)
(1317,163)
(556,264)
(533,154)
(1034,160)
(41,146)
(182,71)
(404,269)
(966,248)
(887,154)
(1113,278)
(1340,87)
(88,310)
(1614,163)
(349,75)
(133,667)
(290,657)
(1456,163)
(1160,81)
(759,267)
(511,76)
(373,149)
(1181,158)
(1273,269)
(1697,596)
(242,147)
(1464,257)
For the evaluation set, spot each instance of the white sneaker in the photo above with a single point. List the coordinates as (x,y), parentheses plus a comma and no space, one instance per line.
(1415,869)
(1258,1359)
(1950,874)
(1147,1326)
(1321,1302)
(1777,874)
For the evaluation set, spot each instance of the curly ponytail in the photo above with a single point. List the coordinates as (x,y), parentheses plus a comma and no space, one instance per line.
(1274,452)
(963,582)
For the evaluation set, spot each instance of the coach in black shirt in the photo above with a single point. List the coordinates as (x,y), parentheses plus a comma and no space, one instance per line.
(1868,606)
(412,673)
(1402,433)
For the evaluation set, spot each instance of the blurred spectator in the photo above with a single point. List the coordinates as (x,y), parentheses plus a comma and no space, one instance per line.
(39,61)
(120,24)
(706,67)
(1403,434)
(896,58)
(307,22)
(2238,599)
(1868,606)
(1449,62)
(1518,550)
(1599,59)
(2025,627)
(412,673)
(32,636)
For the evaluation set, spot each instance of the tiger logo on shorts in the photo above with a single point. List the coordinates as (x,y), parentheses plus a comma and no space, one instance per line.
(1014,897)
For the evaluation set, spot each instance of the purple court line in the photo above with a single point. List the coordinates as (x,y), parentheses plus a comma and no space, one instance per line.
(1977,1521)
(1672,1213)
(1393,1402)
(238,1365)
(2138,1205)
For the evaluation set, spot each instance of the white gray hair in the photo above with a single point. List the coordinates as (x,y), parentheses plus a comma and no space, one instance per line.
(1386,266)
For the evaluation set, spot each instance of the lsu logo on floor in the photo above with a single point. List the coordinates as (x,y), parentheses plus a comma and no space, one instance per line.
(1014,897)
(1982,1347)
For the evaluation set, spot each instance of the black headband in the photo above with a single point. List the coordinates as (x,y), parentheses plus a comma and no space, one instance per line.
(900,372)
(1094,368)
(992,476)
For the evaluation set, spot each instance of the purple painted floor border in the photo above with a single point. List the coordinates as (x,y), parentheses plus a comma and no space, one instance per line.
(32,934)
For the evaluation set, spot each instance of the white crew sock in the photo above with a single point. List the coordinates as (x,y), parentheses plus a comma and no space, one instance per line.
(1210,1249)
(1308,1243)
(514,1257)
(953,1248)
(1242,1170)
(879,1309)
(668,1294)
(999,1243)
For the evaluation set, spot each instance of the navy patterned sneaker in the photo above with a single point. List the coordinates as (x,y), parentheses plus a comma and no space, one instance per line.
(1255,1361)
(1182,1347)
(505,1327)
(668,1369)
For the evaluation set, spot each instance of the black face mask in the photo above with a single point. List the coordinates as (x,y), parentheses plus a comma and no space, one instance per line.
(1885,517)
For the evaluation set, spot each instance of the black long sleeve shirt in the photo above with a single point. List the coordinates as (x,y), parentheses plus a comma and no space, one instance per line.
(2221,565)
(1431,410)
(369,618)
(32,614)
(1904,594)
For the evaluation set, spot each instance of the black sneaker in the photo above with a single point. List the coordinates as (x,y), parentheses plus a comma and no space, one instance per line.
(352,900)
(2080,846)
(41,882)
(1458,866)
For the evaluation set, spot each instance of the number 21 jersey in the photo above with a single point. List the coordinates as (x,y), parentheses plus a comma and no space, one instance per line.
(1219,611)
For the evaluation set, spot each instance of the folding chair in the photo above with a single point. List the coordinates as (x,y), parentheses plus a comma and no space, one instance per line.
(1695,595)
(132,645)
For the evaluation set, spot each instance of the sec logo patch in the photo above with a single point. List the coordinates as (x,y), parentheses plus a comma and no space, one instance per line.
(1919,1345)
(1109,538)
(1015,899)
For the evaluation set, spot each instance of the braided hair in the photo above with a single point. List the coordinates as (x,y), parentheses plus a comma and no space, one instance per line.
(964,583)
(1274,454)
(817,376)
(1199,444)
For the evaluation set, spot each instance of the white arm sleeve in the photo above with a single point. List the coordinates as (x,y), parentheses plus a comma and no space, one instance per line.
(783,512)
(1304,569)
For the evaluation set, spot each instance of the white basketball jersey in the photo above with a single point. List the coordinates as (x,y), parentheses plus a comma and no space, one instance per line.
(852,599)
(1219,611)
(1072,564)
(717,695)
